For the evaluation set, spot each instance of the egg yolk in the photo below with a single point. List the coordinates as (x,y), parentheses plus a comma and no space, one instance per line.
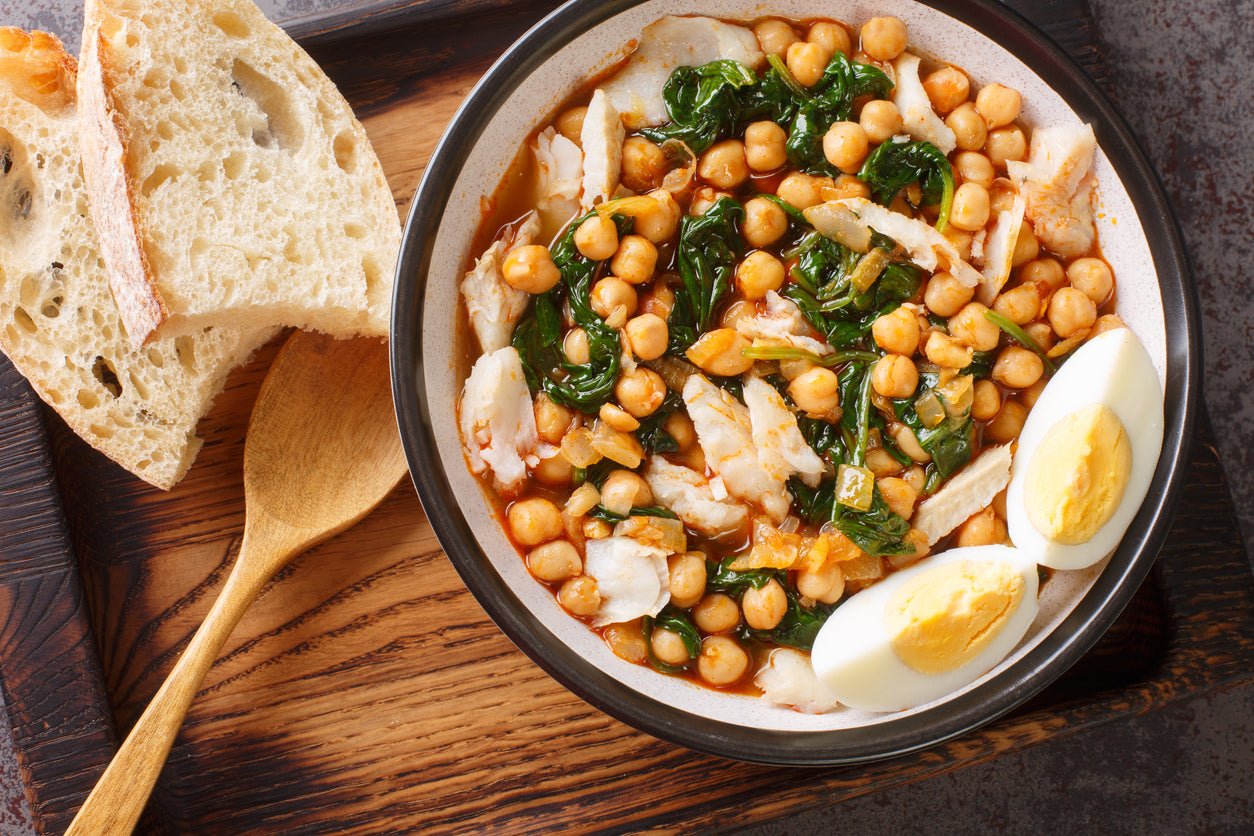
(1078,475)
(943,618)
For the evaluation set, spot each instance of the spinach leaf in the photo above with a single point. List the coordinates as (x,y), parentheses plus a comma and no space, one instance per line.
(651,435)
(981,364)
(595,474)
(877,531)
(823,437)
(895,165)
(951,442)
(600,512)
(677,622)
(583,386)
(721,578)
(703,103)
(814,505)
(829,100)
(709,247)
(799,626)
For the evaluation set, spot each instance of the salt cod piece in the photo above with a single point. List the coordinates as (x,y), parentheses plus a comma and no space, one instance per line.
(725,433)
(671,42)
(690,496)
(781,324)
(559,175)
(927,247)
(998,251)
(631,578)
(782,450)
(497,420)
(964,495)
(602,140)
(788,679)
(493,305)
(1057,187)
(917,117)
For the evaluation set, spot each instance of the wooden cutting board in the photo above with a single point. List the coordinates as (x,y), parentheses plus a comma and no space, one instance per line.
(366,689)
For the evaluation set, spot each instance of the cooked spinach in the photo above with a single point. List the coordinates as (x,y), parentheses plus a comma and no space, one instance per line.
(814,505)
(651,434)
(951,442)
(709,247)
(877,531)
(799,626)
(981,364)
(600,512)
(823,437)
(829,100)
(537,337)
(704,103)
(720,577)
(677,622)
(894,165)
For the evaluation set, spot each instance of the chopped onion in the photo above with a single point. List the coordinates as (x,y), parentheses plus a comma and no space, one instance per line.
(577,448)
(867,567)
(958,395)
(838,222)
(660,532)
(868,269)
(855,487)
(616,446)
(582,500)
(928,407)
(673,371)
(679,179)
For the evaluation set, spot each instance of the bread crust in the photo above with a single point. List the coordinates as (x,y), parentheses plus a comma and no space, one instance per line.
(103,136)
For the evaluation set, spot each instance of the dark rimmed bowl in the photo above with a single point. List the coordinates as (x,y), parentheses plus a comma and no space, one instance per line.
(1138,235)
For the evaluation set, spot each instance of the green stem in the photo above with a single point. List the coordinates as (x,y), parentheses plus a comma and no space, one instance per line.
(780,352)
(1021,337)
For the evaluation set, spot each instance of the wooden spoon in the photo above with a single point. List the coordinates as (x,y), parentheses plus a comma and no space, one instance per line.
(322,451)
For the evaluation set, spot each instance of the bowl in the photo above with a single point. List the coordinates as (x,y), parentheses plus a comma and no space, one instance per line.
(530,80)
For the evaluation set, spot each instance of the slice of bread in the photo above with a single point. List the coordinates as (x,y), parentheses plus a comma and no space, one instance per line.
(230,182)
(58,324)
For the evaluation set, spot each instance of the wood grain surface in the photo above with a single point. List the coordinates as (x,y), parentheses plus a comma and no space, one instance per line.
(366,690)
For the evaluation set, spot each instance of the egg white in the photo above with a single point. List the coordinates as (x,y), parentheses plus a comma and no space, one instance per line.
(1113,369)
(853,653)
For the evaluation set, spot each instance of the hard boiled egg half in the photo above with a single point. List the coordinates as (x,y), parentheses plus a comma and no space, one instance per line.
(1087,454)
(926,631)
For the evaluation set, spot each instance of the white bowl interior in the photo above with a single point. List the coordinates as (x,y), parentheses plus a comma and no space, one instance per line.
(1122,239)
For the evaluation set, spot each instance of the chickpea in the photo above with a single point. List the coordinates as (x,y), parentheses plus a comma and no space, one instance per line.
(658,300)
(945,295)
(680,427)
(1019,304)
(880,462)
(831,36)
(1005,144)
(736,312)
(807,61)
(947,351)
(530,268)
(1029,396)
(570,123)
(969,129)
(623,490)
(970,207)
(765,222)
(1045,272)
(765,607)
(1070,312)
(580,596)
(899,494)
(687,578)
(915,477)
(845,186)
(1017,367)
(974,167)
(845,146)
(801,190)
(908,442)
(880,120)
(1041,334)
(816,392)
(640,392)
(765,146)
(659,225)
(758,274)
(1091,276)
(985,400)
(555,561)
(716,613)
(597,238)
(775,36)
(894,376)
(611,295)
(979,530)
(897,331)
(575,346)
(644,164)
(1027,247)
(970,327)
(723,165)
(721,352)
(668,647)
(552,419)
(947,88)
(618,418)
(534,521)
(998,104)
(1107,322)
(648,336)
(826,584)
(635,260)
(961,239)
(1008,423)
(884,38)
(596,529)
(722,661)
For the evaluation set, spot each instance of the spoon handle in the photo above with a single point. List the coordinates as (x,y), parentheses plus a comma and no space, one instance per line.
(118,798)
